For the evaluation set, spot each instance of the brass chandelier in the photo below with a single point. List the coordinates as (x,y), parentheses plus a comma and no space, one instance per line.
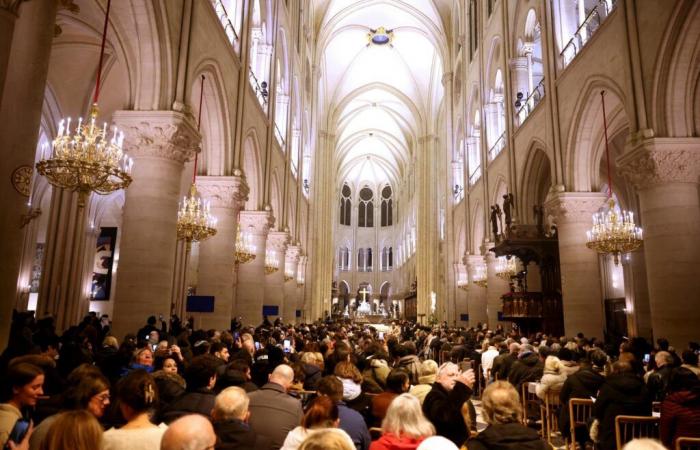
(194,220)
(86,159)
(245,250)
(506,267)
(480,277)
(288,274)
(614,231)
(272,264)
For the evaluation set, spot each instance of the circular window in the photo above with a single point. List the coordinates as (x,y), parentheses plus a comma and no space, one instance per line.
(386,192)
(366,194)
(346,190)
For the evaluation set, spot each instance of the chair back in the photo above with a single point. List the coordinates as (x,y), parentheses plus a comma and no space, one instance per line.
(531,402)
(580,412)
(549,410)
(634,427)
(444,356)
(687,443)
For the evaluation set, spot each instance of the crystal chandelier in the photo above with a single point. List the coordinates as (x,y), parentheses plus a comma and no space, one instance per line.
(194,220)
(86,159)
(614,232)
(506,267)
(288,273)
(463,284)
(480,278)
(245,250)
(272,264)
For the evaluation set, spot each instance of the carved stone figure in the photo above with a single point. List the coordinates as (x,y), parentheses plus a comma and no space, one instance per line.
(508,208)
(494,221)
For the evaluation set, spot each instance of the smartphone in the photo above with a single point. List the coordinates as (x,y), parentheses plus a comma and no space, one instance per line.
(287,345)
(236,335)
(381,335)
(19,431)
(647,358)
(257,346)
(465,365)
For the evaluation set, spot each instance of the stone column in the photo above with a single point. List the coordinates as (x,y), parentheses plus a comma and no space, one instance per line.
(519,66)
(291,266)
(27,43)
(250,287)
(461,306)
(304,303)
(496,288)
(160,142)
(581,286)
(476,296)
(665,172)
(637,295)
(426,226)
(274,282)
(216,254)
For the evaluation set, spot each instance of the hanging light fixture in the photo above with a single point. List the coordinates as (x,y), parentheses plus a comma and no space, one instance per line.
(480,277)
(463,284)
(245,249)
(194,220)
(88,158)
(614,231)
(506,267)
(272,264)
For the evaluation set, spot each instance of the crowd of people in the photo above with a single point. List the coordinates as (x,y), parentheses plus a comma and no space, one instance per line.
(325,385)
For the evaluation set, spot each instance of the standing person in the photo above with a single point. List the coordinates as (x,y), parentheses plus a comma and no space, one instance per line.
(137,396)
(322,414)
(503,412)
(443,404)
(487,358)
(199,397)
(273,412)
(527,368)
(74,430)
(404,427)
(23,387)
(553,377)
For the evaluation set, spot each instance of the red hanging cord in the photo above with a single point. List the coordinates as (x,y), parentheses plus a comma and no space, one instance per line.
(199,126)
(607,151)
(102,55)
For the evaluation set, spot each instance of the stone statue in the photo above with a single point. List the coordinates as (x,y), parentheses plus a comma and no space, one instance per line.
(499,213)
(508,208)
(494,221)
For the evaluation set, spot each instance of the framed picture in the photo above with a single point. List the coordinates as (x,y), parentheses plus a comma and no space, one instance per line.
(104,258)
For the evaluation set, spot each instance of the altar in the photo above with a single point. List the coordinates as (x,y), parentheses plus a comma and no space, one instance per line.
(370,318)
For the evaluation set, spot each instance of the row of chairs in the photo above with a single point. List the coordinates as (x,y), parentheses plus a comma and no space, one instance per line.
(580,415)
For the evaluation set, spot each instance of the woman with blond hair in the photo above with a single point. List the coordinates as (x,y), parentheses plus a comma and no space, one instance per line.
(503,412)
(404,426)
(75,430)
(329,439)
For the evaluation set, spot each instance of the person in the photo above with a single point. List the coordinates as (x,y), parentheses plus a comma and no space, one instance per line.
(142,358)
(622,393)
(680,410)
(487,358)
(428,374)
(552,377)
(353,395)
(351,421)
(328,439)
(503,412)
(443,404)
(404,427)
(76,430)
(190,432)
(690,362)
(199,397)
(657,380)
(527,368)
(409,361)
(502,363)
(584,383)
(230,416)
(22,388)
(643,444)
(236,373)
(322,413)
(273,412)
(396,384)
(137,395)
(312,371)
(437,443)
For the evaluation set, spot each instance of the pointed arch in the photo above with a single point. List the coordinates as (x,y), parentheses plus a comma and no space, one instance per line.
(252,170)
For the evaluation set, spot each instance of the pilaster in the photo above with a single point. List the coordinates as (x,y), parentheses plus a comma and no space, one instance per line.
(250,286)
(496,288)
(274,283)
(476,296)
(291,297)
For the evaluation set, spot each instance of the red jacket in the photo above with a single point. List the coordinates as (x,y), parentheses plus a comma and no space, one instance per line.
(392,442)
(680,417)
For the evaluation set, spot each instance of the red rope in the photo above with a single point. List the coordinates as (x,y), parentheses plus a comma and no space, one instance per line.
(607,151)
(199,126)
(102,55)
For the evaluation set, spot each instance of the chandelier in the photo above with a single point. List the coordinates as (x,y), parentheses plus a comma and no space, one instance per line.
(194,220)
(288,273)
(86,159)
(480,278)
(506,267)
(614,232)
(272,264)
(245,249)
(463,284)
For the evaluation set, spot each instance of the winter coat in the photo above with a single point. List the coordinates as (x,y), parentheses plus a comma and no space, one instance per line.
(502,364)
(313,376)
(680,416)
(389,441)
(411,364)
(585,383)
(425,384)
(8,416)
(375,375)
(526,369)
(198,401)
(510,436)
(274,413)
(550,382)
(444,409)
(621,394)
(235,434)
(354,425)
(232,377)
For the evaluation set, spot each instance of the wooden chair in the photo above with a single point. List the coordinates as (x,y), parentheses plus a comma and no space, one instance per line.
(531,402)
(549,411)
(687,443)
(580,412)
(655,408)
(633,427)
(444,356)
(375,433)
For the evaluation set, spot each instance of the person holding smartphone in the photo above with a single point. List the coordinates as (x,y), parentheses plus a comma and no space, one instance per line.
(22,389)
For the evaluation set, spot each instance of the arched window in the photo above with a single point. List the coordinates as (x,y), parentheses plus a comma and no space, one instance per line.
(364,260)
(387,259)
(345,205)
(344,259)
(365,217)
(387,207)
(473,28)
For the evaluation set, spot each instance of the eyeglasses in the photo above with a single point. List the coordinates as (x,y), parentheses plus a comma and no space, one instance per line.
(104,398)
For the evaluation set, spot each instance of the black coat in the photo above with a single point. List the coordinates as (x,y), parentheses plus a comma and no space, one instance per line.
(526,369)
(200,401)
(502,365)
(510,436)
(444,410)
(583,383)
(313,376)
(234,434)
(621,394)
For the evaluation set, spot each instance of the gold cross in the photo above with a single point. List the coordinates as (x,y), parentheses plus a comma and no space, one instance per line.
(364,293)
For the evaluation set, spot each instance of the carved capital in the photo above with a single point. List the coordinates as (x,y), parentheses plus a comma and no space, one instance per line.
(158,134)
(472,261)
(574,207)
(446,78)
(519,63)
(653,161)
(256,222)
(277,241)
(293,253)
(224,192)
(426,139)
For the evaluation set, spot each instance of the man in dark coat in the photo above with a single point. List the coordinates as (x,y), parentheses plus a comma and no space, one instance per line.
(230,417)
(273,412)
(443,404)
(199,397)
(527,368)
(503,362)
(351,421)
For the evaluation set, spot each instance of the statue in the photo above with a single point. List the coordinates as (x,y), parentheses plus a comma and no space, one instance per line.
(494,221)
(499,213)
(538,210)
(508,205)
